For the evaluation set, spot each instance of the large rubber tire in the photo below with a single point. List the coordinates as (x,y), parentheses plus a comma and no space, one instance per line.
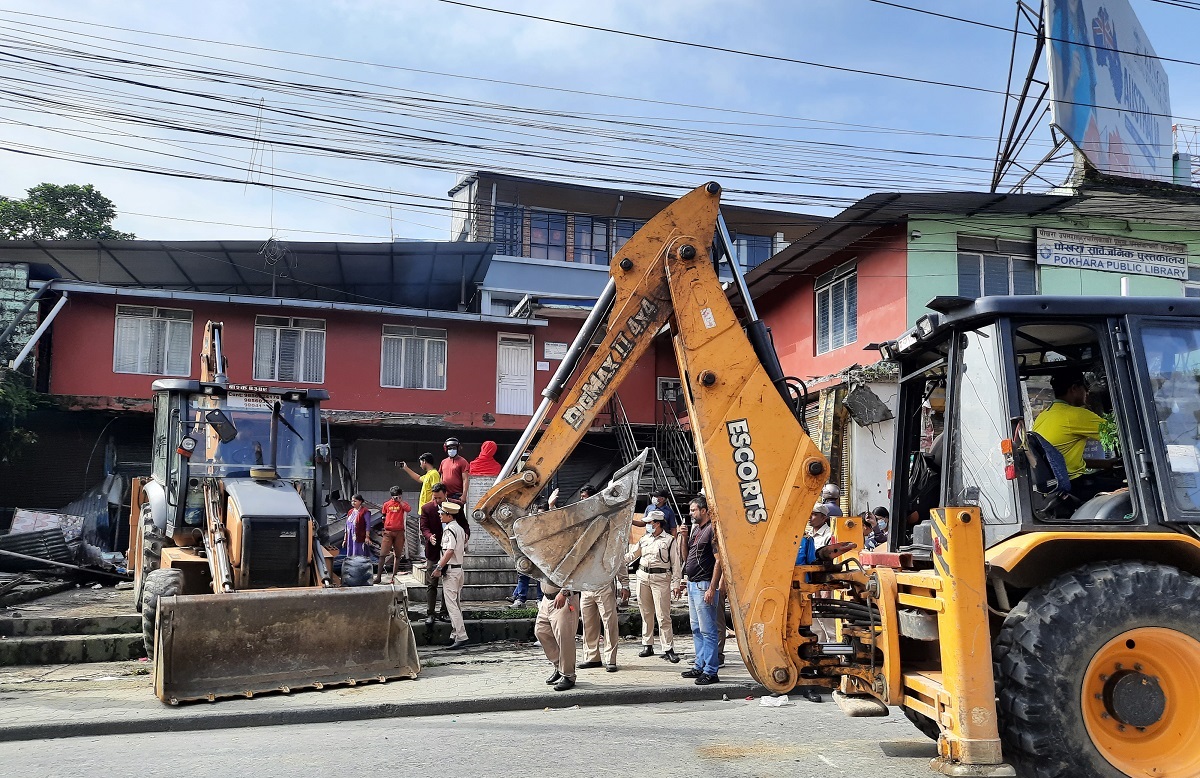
(1051,654)
(357,571)
(928,727)
(153,541)
(166,582)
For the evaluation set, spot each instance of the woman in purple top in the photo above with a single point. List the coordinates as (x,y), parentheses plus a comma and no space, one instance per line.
(358,524)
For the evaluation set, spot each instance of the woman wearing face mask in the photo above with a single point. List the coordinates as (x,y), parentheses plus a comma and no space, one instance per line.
(454,469)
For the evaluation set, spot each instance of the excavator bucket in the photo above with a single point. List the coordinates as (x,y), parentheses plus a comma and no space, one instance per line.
(580,546)
(209,646)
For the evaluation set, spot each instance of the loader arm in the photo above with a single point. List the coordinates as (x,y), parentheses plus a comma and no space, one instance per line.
(761,471)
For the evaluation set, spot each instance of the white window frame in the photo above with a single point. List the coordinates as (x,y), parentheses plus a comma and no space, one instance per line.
(670,389)
(823,290)
(175,319)
(981,256)
(1191,287)
(398,334)
(306,327)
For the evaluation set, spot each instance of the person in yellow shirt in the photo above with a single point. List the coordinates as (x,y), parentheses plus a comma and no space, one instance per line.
(428,477)
(1068,425)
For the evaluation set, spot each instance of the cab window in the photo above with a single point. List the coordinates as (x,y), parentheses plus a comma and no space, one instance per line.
(1172,365)
(978,426)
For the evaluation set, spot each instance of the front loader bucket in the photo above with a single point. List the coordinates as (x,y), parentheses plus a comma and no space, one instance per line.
(223,645)
(579,547)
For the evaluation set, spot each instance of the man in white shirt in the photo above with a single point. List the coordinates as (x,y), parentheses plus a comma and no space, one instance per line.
(822,535)
(818,526)
(450,570)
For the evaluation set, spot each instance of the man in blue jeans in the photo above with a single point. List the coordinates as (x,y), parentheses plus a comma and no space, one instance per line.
(703,573)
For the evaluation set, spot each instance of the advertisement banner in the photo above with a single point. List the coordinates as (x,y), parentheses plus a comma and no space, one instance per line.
(1108,89)
(1112,254)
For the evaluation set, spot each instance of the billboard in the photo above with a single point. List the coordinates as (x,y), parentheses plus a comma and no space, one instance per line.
(1108,89)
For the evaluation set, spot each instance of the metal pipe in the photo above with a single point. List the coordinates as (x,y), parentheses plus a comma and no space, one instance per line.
(726,245)
(282,302)
(63,565)
(319,561)
(276,410)
(565,368)
(756,329)
(8,331)
(45,325)
(219,355)
(215,540)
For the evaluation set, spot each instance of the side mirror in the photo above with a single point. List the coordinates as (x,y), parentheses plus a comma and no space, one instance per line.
(225,430)
(321,454)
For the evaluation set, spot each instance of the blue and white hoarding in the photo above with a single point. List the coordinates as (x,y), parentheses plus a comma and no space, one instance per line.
(1112,254)
(1109,91)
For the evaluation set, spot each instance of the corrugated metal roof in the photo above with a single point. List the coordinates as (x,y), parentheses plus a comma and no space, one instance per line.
(1109,199)
(431,276)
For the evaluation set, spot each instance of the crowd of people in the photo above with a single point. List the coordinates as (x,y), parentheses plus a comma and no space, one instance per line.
(442,529)
(674,555)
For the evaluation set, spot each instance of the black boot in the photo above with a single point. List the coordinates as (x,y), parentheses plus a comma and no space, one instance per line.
(647,651)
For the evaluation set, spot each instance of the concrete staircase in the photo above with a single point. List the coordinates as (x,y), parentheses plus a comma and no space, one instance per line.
(488,578)
(40,641)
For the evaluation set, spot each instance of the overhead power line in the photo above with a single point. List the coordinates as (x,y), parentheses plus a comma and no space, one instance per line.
(727,50)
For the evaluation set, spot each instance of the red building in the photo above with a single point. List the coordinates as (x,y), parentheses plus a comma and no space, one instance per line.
(386,329)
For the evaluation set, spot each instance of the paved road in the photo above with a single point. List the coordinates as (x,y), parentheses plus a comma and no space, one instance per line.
(681,739)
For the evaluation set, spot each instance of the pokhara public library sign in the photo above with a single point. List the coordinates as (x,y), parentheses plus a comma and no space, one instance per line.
(1112,254)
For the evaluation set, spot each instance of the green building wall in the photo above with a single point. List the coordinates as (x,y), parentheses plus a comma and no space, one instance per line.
(933,257)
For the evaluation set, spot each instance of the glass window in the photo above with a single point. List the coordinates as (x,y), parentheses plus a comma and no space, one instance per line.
(981,275)
(591,240)
(1192,287)
(837,308)
(976,460)
(506,232)
(623,230)
(289,350)
(413,358)
(152,341)
(1172,355)
(752,249)
(548,235)
(251,417)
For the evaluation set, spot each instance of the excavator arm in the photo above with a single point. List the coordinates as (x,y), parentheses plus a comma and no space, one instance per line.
(761,471)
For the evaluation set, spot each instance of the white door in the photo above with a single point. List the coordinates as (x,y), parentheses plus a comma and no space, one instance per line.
(514,375)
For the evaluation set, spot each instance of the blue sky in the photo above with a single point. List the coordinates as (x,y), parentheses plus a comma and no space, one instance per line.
(777,134)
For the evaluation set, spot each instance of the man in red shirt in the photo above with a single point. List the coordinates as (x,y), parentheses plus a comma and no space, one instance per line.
(455,468)
(395,514)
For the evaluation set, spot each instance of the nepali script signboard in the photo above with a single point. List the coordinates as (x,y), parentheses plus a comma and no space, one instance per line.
(1109,90)
(1112,254)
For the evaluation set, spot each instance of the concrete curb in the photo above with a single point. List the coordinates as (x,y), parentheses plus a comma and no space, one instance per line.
(205,716)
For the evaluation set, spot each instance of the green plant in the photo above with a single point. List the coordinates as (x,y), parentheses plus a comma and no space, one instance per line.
(1108,433)
(17,399)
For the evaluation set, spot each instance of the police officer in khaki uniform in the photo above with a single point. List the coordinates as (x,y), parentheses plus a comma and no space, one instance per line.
(657,575)
(450,570)
(557,622)
(600,607)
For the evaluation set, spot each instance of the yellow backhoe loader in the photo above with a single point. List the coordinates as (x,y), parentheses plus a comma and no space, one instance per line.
(1027,629)
(234,584)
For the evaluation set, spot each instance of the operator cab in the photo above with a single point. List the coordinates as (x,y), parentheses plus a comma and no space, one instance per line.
(1119,380)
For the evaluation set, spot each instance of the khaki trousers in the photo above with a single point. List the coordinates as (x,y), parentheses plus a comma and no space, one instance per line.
(654,601)
(555,629)
(452,584)
(596,608)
